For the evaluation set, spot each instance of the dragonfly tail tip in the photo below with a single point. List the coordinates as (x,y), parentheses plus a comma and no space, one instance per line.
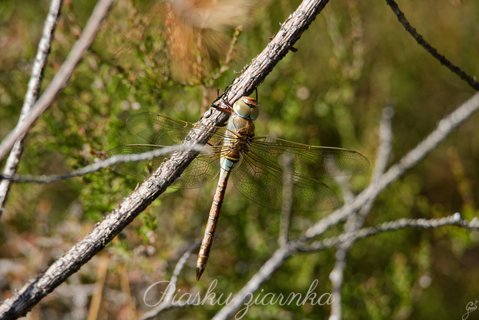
(199,272)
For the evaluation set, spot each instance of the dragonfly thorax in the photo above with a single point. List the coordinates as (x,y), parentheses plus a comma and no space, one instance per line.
(239,132)
(246,108)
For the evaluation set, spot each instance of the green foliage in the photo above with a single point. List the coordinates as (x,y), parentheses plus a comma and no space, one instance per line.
(354,60)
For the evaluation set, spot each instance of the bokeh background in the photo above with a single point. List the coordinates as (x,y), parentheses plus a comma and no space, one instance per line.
(354,60)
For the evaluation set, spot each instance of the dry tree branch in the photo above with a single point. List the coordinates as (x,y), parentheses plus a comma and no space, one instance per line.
(113,160)
(452,220)
(443,129)
(167,173)
(61,78)
(356,220)
(278,257)
(31,95)
(471,81)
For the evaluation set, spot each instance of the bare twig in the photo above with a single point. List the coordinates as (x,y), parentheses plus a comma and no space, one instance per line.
(224,66)
(385,142)
(443,129)
(429,48)
(356,220)
(263,274)
(166,174)
(341,179)
(282,253)
(31,95)
(62,76)
(452,220)
(384,152)
(113,160)
(167,300)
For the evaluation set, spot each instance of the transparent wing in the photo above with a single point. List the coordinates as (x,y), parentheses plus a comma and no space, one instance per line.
(260,176)
(145,132)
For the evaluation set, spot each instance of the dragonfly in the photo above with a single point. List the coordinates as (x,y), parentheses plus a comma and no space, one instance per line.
(254,164)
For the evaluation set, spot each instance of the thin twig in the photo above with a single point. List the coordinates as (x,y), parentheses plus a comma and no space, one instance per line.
(443,129)
(341,179)
(167,300)
(31,95)
(61,77)
(356,220)
(229,55)
(384,152)
(113,160)
(264,273)
(385,142)
(452,220)
(429,48)
(283,253)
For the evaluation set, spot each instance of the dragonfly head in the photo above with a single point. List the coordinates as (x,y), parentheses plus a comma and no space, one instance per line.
(247,108)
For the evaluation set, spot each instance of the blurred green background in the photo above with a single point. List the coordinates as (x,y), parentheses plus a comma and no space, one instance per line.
(354,60)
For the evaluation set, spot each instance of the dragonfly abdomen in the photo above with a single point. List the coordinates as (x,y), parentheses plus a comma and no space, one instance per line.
(211,224)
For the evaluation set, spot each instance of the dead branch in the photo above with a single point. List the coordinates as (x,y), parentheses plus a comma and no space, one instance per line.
(31,95)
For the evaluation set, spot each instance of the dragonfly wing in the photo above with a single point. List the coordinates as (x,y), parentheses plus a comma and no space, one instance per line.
(145,132)
(314,162)
(148,128)
(260,176)
(260,179)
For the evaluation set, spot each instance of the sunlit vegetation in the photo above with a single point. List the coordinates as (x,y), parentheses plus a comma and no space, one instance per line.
(354,60)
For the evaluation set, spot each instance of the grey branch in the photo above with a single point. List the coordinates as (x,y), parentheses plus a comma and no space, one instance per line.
(168,171)
(63,75)
(113,160)
(283,253)
(263,274)
(356,220)
(31,95)
(443,129)
(452,220)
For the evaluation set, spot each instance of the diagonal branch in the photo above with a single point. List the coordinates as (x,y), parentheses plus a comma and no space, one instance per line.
(31,95)
(166,174)
(445,127)
(284,252)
